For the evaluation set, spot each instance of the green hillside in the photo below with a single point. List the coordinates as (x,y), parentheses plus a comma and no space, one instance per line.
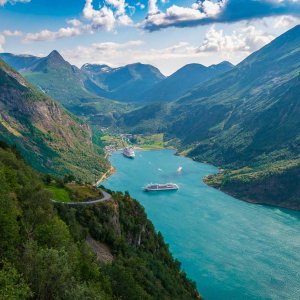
(52,252)
(247,117)
(49,137)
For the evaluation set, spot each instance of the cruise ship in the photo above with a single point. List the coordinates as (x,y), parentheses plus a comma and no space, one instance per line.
(161,187)
(129,152)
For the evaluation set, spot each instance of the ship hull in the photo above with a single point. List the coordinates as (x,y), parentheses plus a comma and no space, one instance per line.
(129,156)
(160,190)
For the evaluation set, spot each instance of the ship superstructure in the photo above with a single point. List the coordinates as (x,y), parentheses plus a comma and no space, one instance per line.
(161,187)
(129,152)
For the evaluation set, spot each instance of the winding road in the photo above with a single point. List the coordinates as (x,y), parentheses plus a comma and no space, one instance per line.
(106,197)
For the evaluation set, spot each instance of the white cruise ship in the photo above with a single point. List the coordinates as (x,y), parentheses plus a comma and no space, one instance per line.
(161,187)
(129,152)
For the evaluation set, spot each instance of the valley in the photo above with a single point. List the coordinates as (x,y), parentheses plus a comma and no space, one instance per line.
(241,117)
(233,131)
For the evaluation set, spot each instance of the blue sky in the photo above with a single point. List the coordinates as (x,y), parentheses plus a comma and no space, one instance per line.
(167,34)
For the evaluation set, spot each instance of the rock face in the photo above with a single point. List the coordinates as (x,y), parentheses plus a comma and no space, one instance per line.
(102,251)
(48,136)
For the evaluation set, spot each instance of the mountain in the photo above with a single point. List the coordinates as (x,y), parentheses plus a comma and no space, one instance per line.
(229,105)
(46,134)
(19,62)
(126,83)
(64,82)
(183,80)
(59,79)
(106,251)
(86,91)
(245,120)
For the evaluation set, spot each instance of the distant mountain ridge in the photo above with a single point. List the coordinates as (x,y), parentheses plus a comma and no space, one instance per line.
(126,83)
(134,83)
(19,62)
(183,80)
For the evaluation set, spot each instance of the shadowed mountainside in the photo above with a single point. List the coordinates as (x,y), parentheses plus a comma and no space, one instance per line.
(47,135)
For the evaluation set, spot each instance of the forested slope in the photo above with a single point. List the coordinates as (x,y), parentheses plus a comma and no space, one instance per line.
(44,253)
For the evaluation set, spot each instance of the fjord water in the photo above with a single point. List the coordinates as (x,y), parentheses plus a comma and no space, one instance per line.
(232,249)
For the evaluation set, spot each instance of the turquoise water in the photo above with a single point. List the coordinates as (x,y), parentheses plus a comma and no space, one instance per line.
(232,249)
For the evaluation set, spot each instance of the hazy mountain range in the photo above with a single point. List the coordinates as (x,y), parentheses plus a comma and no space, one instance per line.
(137,83)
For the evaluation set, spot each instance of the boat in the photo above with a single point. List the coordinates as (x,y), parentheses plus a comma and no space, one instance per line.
(179,169)
(129,152)
(161,187)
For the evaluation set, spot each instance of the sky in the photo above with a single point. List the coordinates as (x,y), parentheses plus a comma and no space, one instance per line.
(167,34)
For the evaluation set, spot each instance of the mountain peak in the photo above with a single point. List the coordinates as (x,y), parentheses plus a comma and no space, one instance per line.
(225,63)
(223,66)
(193,66)
(55,55)
(53,60)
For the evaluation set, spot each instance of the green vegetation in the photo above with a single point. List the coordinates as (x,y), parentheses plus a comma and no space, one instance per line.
(144,141)
(44,253)
(247,117)
(274,184)
(114,140)
(154,141)
(59,193)
(82,192)
(48,136)
(68,189)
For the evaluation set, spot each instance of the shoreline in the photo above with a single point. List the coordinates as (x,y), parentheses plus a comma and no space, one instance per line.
(112,170)
(254,202)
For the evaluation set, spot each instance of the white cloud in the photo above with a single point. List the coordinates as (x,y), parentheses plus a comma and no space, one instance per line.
(125,20)
(7,33)
(140,5)
(12,33)
(2,42)
(152,7)
(119,5)
(113,12)
(247,39)
(210,8)
(286,22)
(103,18)
(47,35)
(118,54)
(176,15)
(74,22)
(111,46)
(3,2)
(203,12)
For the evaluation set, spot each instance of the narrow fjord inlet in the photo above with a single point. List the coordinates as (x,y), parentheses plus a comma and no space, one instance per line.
(232,249)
